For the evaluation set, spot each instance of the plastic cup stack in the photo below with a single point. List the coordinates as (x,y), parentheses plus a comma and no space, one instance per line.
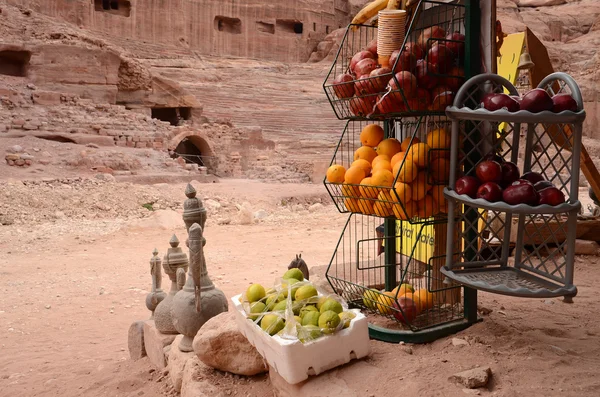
(390,33)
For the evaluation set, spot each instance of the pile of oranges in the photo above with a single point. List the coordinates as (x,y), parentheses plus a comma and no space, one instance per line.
(392,178)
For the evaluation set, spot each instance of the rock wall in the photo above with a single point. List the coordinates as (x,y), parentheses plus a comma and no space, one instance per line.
(283,30)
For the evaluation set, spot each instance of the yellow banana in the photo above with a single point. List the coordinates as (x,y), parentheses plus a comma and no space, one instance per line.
(393,4)
(369,11)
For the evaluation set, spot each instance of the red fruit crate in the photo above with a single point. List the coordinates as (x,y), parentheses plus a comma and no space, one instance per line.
(422,77)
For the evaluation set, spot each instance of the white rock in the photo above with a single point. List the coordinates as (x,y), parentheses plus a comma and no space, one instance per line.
(15,149)
(261,214)
(212,204)
(459,342)
(472,378)
(105,177)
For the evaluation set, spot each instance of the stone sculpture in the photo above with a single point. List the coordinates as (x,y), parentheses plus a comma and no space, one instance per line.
(157,295)
(175,264)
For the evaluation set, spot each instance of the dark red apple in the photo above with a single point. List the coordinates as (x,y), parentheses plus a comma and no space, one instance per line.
(362,107)
(494,157)
(390,104)
(365,67)
(551,196)
(406,310)
(406,61)
(497,101)
(457,45)
(542,185)
(517,98)
(563,102)
(489,171)
(421,101)
(533,177)
(455,79)
(523,193)
(364,85)
(383,76)
(510,173)
(359,56)
(441,57)
(343,86)
(536,100)
(433,32)
(467,185)
(521,182)
(415,49)
(490,191)
(372,47)
(406,82)
(425,75)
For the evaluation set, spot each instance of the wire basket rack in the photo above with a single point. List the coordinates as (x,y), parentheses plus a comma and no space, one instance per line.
(404,174)
(542,236)
(361,273)
(422,79)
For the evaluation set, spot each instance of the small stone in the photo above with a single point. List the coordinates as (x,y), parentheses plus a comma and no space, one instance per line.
(212,204)
(31,86)
(47,306)
(92,145)
(135,340)
(471,391)
(261,214)
(472,378)
(315,207)
(459,342)
(105,177)
(582,247)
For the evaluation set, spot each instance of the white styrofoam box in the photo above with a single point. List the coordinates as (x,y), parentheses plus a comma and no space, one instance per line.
(294,360)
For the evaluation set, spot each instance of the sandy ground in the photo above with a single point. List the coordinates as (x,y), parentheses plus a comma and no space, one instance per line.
(72,287)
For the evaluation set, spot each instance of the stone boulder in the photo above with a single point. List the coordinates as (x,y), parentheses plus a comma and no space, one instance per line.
(220,344)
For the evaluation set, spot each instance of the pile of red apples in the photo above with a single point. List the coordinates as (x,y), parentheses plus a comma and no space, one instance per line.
(499,180)
(415,76)
(534,101)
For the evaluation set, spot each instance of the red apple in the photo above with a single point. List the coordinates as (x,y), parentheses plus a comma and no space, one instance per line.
(467,185)
(424,73)
(390,104)
(523,193)
(372,47)
(406,310)
(441,101)
(362,107)
(551,196)
(421,101)
(359,56)
(521,182)
(441,57)
(433,32)
(497,101)
(489,171)
(493,157)
(406,61)
(517,98)
(510,173)
(455,79)
(564,102)
(406,82)
(383,76)
(533,177)
(415,49)
(365,67)
(343,86)
(542,185)
(457,45)
(536,100)
(364,85)
(490,191)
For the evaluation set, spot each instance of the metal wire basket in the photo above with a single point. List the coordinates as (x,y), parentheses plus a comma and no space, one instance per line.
(422,79)
(546,142)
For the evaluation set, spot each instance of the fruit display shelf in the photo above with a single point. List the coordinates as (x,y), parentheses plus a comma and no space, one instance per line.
(295,361)
(421,78)
(546,145)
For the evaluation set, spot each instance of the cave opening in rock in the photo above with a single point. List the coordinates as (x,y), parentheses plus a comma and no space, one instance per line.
(228,25)
(116,7)
(289,26)
(175,116)
(194,149)
(265,27)
(14,63)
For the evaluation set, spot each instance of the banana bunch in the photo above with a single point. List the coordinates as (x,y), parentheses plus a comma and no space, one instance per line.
(371,9)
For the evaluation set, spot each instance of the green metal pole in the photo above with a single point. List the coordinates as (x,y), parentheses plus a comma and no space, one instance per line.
(389,231)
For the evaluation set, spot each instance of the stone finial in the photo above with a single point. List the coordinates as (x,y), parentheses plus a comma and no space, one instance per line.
(157,295)
(193,209)
(190,191)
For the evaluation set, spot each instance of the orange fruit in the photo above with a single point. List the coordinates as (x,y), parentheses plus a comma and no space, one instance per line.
(378,159)
(365,153)
(354,175)
(406,171)
(383,178)
(350,191)
(364,164)
(352,204)
(385,199)
(403,289)
(335,174)
(365,206)
(367,190)
(437,192)
(438,139)
(406,212)
(384,300)
(389,147)
(380,209)
(427,207)
(440,170)
(371,135)
(382,165)
(420,186)
(419,154)
(397,158)
(403,192)
(407,142)
(423,299)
